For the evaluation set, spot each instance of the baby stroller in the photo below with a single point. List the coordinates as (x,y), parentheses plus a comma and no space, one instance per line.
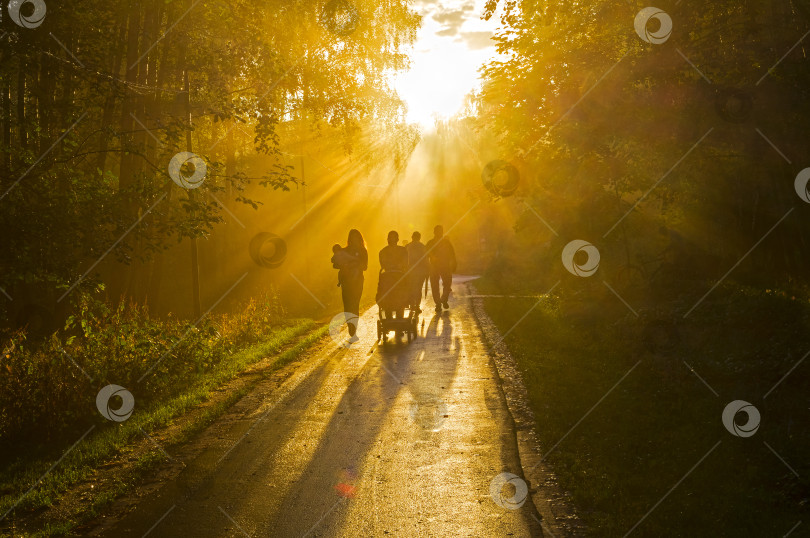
(393,296)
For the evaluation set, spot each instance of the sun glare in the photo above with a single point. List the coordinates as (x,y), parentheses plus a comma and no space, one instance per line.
(451,46)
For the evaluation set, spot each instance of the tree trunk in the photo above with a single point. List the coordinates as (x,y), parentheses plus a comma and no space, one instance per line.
(23,138)
(6,160)
(111,99)
(126,178)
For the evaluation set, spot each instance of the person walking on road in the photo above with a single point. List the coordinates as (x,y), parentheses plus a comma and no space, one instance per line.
(394,258)
(351,262)
(419,269)
(394,266)
(442,259)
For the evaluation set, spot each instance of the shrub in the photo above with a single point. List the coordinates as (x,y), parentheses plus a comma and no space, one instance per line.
(49,389)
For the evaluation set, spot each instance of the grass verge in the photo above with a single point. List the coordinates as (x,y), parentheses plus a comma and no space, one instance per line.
(27,489)
(629,409)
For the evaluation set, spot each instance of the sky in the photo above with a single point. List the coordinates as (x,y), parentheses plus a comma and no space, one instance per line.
(451,46)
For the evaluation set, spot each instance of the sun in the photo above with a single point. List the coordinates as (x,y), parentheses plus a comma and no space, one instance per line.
(451,46)
(435,86)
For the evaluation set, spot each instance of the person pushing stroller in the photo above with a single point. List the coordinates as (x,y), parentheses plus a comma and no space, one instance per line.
(394,293)
(393,269)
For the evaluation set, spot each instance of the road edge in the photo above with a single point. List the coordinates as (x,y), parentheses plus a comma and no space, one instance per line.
(550,500)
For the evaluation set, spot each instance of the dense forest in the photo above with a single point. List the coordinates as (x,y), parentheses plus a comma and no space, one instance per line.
(99,98)
(689,143)
(660,151)
(174,173)
(688,147)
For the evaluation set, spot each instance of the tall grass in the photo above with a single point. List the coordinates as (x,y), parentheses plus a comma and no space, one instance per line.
(48,389)
(618,447)
(120,346)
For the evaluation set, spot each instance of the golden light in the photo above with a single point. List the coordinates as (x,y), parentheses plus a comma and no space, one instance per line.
(452,44)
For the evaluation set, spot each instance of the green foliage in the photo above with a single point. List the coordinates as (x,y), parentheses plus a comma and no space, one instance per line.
(281,345)
(96,101)
(597,120)
(640,150)
(44,392)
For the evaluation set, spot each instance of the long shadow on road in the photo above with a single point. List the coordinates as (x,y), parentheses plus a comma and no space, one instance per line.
(400,439)
(339,470)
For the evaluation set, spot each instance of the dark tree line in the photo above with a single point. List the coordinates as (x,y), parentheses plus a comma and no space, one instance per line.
(698,138)
(97,98)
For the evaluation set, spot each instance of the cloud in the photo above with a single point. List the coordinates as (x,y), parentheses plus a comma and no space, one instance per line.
(477,40)
(449,31)
(469,5)
(450,17)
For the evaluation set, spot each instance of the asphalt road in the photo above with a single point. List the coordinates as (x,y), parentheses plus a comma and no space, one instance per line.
(398,440)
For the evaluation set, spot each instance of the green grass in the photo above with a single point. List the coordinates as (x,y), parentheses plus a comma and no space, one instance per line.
(655,425)
(110,439)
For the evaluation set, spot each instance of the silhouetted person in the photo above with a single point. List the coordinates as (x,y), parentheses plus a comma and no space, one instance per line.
(442,259)
(351,261)
(394,257)
(394,260)
(419,269)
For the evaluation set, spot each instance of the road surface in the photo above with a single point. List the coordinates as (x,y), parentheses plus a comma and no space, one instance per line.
(398,440)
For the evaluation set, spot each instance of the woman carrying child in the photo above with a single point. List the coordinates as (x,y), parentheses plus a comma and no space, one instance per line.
(351,261)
